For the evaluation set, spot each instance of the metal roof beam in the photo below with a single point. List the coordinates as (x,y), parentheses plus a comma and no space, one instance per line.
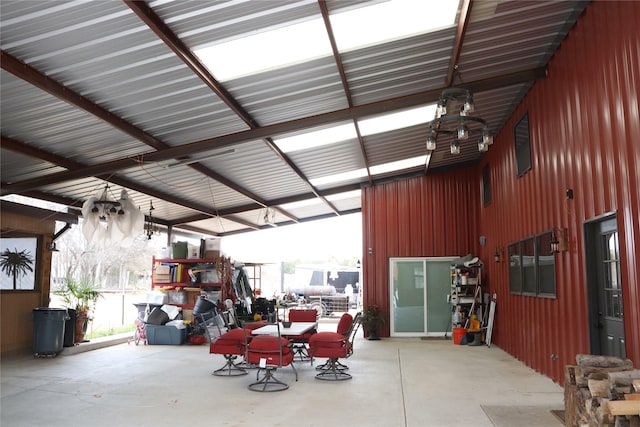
(463,21)
(379,107)
(162,30)
(343,77)
(26,72)
(20,147)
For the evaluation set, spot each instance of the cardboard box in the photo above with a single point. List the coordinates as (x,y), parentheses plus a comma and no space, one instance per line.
(187,315)
(211,254)
(192,296)
(161,278)
(163,269)
(165,335)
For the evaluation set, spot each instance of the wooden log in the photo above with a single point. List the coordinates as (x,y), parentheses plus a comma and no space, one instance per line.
(632,396)
(624,407)
(636,385)
(599,388)
(570,401)
(602,361)
(624,378)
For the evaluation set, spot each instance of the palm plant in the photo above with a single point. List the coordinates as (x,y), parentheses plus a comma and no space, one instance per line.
(80,295)
(16,264)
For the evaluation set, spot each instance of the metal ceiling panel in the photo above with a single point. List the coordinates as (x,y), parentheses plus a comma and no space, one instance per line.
(518,36)
(217,225)
(104,82)
(396,145)
(290,93)
(17,167)
(187,183)
(254,165)
(34,116)
(129,71)
(330,159)
(399,67)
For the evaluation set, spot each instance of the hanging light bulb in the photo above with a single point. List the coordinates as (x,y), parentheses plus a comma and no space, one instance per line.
(441,110)
(468,106)
(463,132)
(482,147)
(455,147)
(431,143)
(487,139)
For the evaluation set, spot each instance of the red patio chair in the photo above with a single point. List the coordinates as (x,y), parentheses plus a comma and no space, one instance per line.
(269,353)
(334,346)
(300,343)
(231,345)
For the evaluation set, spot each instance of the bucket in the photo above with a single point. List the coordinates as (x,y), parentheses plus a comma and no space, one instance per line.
(458,334)
(203,305)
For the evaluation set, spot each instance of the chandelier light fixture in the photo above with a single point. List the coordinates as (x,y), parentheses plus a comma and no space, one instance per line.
(453,118)
(111,222)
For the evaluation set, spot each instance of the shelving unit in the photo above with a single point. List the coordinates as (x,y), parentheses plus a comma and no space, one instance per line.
(466,295)
(186,279)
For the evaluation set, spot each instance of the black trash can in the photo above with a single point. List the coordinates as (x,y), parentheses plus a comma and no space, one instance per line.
(70,328)
(48,330)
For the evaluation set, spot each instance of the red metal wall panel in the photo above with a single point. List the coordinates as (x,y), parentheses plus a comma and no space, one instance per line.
(585,134)
(431,216)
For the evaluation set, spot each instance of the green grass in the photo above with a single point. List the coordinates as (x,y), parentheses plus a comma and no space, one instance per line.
(112,331)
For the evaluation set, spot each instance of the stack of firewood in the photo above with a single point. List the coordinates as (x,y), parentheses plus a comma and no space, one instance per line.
(602,391)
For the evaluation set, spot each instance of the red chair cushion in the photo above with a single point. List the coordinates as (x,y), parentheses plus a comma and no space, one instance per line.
(345,324)
(328,344)
(267,347)
(228,343)
(303,315)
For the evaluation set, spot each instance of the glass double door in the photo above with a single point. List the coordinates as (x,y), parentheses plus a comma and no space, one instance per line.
(418,294)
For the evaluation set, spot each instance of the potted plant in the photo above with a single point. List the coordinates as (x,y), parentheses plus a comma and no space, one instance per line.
(81,297)
(372,319)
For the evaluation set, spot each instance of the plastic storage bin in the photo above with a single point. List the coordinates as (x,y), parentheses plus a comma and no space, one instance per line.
(48,330)
(165,335)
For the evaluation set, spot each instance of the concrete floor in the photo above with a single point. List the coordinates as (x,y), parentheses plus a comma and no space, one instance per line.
(397,382)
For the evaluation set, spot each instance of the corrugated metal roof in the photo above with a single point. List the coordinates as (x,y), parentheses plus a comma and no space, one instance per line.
(92,84)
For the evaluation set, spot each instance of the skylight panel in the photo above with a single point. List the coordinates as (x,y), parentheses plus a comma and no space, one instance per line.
(375,170)
(340,177)
(266,50)
(391,20)
(317,138)
(393,121)
(398,165)
(344,196)
(301,203)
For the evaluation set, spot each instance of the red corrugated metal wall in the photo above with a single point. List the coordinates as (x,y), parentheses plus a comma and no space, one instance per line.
(434,216)
(585,134)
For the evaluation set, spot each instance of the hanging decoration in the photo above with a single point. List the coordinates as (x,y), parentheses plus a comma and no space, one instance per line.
(110,222)
(150,228)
